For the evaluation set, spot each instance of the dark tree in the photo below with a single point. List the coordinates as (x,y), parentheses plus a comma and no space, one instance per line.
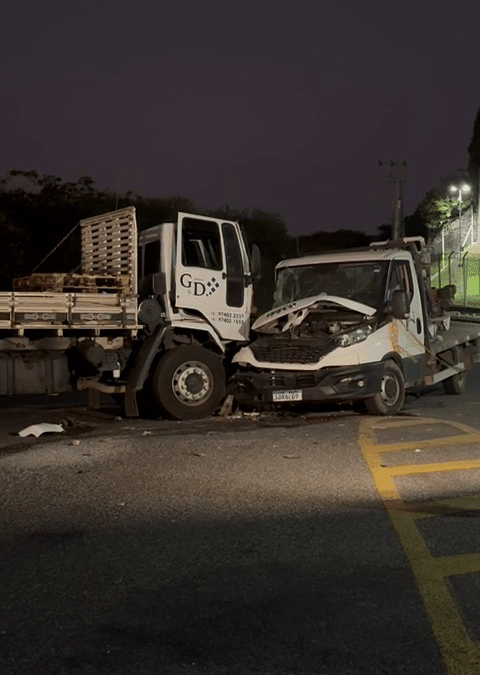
(37,212)
(330,241)
(474,158)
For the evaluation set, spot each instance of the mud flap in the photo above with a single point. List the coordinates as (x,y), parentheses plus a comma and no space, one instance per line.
(140,370)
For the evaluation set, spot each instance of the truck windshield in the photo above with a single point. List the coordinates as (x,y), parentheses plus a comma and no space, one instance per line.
(360,281)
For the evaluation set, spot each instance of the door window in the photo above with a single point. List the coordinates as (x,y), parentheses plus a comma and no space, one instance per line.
(151,261)
(201,244)
(400,280)
(235,276)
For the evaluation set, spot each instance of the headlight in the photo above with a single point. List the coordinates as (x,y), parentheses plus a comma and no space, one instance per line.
(354,336)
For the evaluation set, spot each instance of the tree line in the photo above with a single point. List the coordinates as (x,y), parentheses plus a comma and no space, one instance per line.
(38,211)
(439,207)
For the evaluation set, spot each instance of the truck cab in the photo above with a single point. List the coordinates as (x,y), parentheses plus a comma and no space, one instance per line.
(196,291)
(205,269)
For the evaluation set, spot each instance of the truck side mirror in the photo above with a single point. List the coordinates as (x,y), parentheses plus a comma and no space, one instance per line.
(255,261)
(399,306)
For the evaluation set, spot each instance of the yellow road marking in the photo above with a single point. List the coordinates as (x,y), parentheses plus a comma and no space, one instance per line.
(463,439)
(460,654)
(464,563)
(401,422)
(458,465)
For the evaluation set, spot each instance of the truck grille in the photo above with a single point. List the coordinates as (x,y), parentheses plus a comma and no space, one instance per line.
(292,380)
(276,351)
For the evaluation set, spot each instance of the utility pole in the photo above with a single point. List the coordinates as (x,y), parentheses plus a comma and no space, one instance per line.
(394,172)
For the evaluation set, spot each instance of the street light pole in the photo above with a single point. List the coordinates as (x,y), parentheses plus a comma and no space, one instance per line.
(460,190)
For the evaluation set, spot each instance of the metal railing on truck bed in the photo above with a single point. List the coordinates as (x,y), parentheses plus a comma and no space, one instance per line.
(21,311)
(464,313)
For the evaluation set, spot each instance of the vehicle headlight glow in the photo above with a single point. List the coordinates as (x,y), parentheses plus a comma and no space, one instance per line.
(354,336)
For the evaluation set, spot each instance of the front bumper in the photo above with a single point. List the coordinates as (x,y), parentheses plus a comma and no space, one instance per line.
(339,383)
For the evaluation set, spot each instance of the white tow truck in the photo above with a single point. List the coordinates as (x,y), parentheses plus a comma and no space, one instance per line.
(357,325)
(154,319)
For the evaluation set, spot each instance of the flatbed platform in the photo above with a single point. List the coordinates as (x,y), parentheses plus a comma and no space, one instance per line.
(459,333)
(20,311)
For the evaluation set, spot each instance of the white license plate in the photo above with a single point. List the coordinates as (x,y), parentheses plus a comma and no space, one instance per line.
(287,395)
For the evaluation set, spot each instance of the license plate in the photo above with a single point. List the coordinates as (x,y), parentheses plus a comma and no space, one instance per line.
(287,395)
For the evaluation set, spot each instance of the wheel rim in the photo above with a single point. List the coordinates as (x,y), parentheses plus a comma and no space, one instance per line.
(192,383)
(390,391)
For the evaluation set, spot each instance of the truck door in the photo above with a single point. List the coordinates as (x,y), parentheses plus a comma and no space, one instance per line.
(212,274)
(408,334)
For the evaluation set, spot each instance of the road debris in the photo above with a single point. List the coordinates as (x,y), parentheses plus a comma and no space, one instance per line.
(227,407)
(42,428)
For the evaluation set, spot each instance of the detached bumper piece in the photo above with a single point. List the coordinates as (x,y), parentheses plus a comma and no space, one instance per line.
(329,384)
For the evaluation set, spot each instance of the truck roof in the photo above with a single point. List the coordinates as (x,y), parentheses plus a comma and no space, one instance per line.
(348,255)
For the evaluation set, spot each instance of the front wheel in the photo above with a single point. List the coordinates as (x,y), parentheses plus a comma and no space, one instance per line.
(188,383)
(389,400)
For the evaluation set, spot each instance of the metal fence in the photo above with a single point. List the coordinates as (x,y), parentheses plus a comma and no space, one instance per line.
(456,258)
(461,270)
(459,235)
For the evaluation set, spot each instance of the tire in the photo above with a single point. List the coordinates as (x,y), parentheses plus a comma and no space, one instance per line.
(389,400)
(456,384)
(188,383)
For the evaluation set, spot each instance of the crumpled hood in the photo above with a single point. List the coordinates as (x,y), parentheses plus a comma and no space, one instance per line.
(298,309)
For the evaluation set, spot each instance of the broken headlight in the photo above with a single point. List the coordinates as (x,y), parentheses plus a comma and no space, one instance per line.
(354,336)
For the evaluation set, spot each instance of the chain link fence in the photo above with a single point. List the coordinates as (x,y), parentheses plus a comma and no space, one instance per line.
(461,270)
(456,259)
(459,235)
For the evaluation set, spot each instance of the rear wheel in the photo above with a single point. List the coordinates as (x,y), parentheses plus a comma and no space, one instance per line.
(389,400)
(455,384)
(188,383)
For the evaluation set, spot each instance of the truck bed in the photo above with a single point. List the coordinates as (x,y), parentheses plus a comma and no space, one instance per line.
(20,311)
(458,333)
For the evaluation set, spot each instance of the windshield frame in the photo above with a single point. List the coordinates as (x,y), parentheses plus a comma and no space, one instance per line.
(307,281)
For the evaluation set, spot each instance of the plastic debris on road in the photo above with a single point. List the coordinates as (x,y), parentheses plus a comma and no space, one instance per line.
(39,429)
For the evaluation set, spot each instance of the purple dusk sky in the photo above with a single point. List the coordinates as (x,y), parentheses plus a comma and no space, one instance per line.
(283,106)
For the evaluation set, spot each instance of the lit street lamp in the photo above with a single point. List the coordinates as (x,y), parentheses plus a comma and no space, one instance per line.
(461,190)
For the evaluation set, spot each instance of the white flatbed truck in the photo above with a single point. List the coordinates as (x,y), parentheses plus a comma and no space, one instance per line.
(357,325)
(153,319)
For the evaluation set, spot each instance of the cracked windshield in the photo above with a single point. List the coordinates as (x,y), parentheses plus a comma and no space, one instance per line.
(361,282)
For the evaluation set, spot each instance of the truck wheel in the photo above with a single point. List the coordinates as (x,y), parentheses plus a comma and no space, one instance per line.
(389,400)
(188,383)
(455,384)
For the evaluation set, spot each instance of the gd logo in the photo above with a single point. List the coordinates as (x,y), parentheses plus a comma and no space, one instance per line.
(198,287)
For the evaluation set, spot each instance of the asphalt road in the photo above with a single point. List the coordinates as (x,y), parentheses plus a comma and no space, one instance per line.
(244,546)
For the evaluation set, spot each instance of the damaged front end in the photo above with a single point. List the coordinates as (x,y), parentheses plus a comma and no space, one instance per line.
(289,360)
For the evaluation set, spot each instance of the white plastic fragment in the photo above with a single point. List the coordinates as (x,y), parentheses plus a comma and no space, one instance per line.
(39,429)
